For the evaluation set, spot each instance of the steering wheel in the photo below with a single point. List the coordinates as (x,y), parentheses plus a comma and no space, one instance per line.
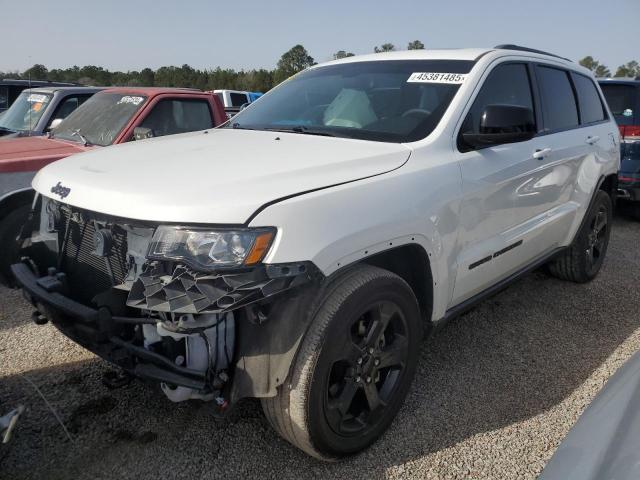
(419,111)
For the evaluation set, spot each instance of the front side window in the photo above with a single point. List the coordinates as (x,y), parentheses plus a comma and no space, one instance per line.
(386,101)
(100,119)
(25,112)
(173,116)
(591,109)
(507,84)
(559,107)
(622,101)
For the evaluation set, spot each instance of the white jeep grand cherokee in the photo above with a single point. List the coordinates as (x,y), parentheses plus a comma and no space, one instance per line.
(298,253)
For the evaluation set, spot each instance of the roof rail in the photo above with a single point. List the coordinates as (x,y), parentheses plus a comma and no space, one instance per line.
(508,46)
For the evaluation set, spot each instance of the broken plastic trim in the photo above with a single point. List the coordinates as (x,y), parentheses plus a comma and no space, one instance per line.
(183,290)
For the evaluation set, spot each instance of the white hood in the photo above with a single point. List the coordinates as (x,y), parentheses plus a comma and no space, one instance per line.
(222,176)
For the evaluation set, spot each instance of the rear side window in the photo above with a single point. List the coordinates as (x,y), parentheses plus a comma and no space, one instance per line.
(238,99)
(622,101)
(590,105)
(507,84)
(4,98)
(558,101)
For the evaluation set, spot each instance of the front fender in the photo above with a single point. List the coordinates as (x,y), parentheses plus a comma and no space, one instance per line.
(342,225)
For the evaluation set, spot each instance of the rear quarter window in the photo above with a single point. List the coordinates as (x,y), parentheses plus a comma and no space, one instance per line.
(559,107)
(591,109)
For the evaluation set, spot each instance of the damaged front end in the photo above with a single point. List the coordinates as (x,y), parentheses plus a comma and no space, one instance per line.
(192,309)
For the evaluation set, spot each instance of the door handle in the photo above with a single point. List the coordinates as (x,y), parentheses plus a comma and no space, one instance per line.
(592,139)
(541,153)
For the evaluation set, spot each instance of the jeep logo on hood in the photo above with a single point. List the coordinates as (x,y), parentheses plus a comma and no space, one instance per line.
(58,189)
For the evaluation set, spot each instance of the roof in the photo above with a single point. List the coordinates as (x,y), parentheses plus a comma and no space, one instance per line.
(469,54)
(150,91)
(64,89)
(35,83)
(620,80)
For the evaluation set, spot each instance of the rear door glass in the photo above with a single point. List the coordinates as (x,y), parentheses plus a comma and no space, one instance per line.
(559,107)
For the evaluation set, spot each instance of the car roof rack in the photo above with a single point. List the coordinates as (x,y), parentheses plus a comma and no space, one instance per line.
(508,46)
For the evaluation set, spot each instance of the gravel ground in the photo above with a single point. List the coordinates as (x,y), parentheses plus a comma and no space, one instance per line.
(496,391)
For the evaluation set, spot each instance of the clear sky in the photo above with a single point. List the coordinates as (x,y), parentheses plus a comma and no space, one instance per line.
(131,35)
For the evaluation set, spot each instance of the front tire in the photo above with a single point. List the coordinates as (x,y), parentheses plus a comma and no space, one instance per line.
(10,227)
(583,259)
(354,368)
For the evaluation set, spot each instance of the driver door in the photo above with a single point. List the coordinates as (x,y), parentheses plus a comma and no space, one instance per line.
(493,178)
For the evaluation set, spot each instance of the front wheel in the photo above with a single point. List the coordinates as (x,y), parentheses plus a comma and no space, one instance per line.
(583,259)
(354,367)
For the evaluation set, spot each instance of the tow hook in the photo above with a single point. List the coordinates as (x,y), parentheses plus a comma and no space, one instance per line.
(38,318)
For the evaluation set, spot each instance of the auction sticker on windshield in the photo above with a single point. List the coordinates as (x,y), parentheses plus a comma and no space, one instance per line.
(129,99)
(431,77)
(37,98)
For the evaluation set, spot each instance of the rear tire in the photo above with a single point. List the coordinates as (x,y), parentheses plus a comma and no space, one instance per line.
(354,367)
(10,227)
(583,259)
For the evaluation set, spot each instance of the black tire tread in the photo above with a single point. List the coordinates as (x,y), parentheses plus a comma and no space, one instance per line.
(9,229)
(570,266)
(286,411)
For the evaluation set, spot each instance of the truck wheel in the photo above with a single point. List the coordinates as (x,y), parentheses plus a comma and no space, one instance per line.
(583,259)
(9,249)
(354,367)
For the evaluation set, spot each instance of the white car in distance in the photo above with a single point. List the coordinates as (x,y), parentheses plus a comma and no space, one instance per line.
(298,253)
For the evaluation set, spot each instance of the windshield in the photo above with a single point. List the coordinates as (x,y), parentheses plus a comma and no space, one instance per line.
(387,101)
(100,119)
(25,112)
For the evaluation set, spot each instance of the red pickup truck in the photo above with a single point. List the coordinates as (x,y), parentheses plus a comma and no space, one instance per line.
(112,116)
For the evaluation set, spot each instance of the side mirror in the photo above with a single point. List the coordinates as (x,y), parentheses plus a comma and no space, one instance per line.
(54,123)
(501,124)
(140,133)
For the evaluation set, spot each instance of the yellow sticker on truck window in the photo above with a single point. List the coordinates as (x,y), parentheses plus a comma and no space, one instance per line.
(432,77)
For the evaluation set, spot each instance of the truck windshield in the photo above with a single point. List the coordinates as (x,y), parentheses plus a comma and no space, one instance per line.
(388,101)
(25,112)
(100,119)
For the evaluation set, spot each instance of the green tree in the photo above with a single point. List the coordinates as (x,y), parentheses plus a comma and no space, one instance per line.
(37,72)
(292,62)
(385,47)
(629,69)
(147,77)
(342,54)
(595,66)
(415,45)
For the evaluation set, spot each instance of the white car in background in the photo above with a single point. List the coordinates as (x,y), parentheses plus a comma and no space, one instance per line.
(297,254)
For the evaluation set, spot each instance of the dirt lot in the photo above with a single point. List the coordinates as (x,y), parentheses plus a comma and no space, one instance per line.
(495,393)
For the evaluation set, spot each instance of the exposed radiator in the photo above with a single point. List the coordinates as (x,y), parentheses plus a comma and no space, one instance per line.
(87,273)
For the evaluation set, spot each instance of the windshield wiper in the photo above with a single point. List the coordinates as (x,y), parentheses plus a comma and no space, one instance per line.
(81,137)
(304,130)
(7,129)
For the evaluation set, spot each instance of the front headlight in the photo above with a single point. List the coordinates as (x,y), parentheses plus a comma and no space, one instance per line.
(205,249)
